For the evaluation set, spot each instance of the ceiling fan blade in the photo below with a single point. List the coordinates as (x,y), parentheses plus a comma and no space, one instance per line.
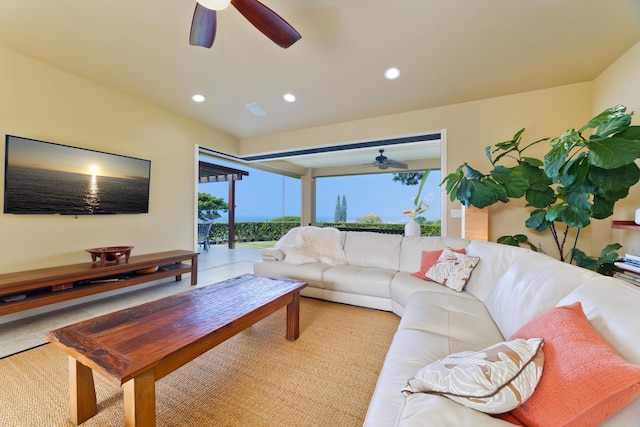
(203,27)
(268,22)
(397,165)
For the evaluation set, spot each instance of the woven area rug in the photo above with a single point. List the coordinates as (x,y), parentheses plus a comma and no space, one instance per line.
(257,378)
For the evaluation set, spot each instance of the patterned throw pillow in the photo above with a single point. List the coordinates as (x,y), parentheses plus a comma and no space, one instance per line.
(428,259)
(452,269)
(494,380)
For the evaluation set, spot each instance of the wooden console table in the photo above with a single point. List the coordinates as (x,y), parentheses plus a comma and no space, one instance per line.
(56,284)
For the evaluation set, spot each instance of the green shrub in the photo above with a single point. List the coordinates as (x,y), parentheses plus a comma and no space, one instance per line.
(273,230)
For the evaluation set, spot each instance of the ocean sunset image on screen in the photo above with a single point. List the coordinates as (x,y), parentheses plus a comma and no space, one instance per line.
(48,178)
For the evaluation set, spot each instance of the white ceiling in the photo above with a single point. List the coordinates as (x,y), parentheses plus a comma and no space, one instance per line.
(449,51)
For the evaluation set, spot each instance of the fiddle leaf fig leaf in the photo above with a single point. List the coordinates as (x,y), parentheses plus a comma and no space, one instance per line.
(578,218)
(609,253)
(556,158)
(498,190)
(452,182)
(613,126)
(507,147)
(554,212)
(602,208)
(532,161)
(512,180)
(612,152)
(538,180)
(615,179)
(540,199)
(481,195)
(608,115)
(473,173)
(516,240)
(578,200)
(630,133)
(511,144)
(603,265)
(538,221)
(573,169)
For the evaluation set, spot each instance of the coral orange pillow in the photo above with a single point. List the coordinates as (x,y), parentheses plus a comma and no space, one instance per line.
(585,381)
(429,258)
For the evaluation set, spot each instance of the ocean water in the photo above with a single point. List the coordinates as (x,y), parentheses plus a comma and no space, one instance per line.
(31,190)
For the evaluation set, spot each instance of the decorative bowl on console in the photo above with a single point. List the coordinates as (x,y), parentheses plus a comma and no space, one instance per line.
(110,253)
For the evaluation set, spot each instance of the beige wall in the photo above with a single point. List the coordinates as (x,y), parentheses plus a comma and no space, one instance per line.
(43,103)
(619,84)
(470,128)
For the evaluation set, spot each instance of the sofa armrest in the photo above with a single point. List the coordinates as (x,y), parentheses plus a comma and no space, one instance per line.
(272,254)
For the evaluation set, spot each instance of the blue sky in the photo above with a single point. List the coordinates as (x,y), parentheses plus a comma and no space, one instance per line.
(259,196)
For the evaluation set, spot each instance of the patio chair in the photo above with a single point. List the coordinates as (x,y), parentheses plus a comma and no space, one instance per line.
(204,229)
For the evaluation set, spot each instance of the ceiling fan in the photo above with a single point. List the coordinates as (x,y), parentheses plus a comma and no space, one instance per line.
(203,25)
(383,162)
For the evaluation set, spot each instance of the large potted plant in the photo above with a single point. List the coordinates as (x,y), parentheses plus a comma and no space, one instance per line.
(582,175)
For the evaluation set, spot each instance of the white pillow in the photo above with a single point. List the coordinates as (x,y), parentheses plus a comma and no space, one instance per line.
(452,269)
(494,380)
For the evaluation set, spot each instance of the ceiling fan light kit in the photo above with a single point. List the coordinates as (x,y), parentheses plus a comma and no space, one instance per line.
(215,4)
(269,23)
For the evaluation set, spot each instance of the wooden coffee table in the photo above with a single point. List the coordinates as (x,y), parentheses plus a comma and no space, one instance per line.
(137,346)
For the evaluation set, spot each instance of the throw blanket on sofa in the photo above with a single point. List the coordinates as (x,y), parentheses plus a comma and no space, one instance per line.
(303,245)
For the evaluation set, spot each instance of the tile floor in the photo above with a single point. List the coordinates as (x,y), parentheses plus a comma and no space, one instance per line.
(18,332)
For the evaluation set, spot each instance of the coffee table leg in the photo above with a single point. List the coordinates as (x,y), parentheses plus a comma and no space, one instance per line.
(140,400)
(82,393)
(293,318)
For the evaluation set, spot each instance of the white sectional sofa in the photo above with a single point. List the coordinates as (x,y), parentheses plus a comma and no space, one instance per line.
(508,289)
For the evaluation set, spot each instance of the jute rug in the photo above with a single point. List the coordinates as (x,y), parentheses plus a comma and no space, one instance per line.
(257,378)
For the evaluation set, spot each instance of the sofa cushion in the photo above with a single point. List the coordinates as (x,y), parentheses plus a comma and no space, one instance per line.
(497,259)
(427,410)
(585,380)
(368,249)
(532,285)
(454,316)
(358,280)
(404,284)
(310,273)
(493,380)
(452,269)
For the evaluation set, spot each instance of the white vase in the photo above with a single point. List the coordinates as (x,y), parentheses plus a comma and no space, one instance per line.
(412,228)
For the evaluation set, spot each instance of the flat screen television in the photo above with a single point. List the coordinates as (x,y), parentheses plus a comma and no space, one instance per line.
(47,178)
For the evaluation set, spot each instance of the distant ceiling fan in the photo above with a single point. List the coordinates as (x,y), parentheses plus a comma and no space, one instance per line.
(383,162)
(203,25)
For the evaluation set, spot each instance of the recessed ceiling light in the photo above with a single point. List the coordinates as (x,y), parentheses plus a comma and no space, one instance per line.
(391,73)
(289,97)
(198,98)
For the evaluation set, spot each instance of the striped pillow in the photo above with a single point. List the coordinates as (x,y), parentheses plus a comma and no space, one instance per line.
(494,380)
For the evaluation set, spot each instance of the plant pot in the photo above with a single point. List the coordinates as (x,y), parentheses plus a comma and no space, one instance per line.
(412,228)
